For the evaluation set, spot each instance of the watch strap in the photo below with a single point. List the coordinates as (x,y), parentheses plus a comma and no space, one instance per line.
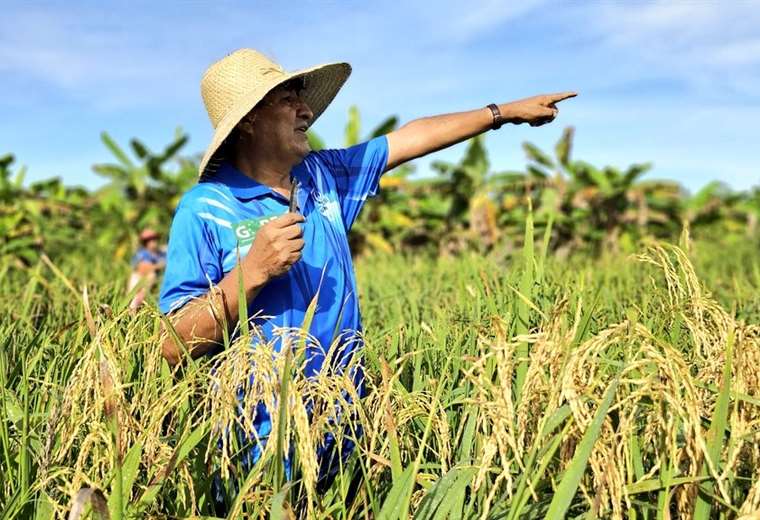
(498,120)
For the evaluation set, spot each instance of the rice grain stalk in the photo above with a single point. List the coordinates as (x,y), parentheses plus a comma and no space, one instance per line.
(710,330)
(676,370)
(245,376)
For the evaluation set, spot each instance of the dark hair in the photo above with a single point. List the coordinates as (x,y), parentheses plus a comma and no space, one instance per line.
(226,150)
(298,84)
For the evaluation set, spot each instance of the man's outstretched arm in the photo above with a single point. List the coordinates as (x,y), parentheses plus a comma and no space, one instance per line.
(428,134)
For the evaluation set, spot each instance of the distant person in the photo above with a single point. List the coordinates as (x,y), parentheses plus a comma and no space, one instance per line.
(259,157)
(147,262)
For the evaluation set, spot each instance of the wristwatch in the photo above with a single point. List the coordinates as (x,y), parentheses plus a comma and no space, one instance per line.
(498,120)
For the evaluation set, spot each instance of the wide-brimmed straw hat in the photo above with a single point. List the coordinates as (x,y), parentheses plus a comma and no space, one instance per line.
(232,86)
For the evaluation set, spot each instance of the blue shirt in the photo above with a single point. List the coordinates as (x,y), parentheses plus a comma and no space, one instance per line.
(221,215)
(144,255)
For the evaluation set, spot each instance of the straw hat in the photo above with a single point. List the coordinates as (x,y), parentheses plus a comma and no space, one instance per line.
(232,86)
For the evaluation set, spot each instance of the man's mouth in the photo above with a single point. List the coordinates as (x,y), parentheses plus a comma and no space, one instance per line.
(302,128)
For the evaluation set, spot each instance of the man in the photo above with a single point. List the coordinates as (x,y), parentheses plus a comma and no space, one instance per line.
(239,209)
(146,264)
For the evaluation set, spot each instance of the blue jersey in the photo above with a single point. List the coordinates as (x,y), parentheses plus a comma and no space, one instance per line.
(221,215)
(144,255)
(217,220)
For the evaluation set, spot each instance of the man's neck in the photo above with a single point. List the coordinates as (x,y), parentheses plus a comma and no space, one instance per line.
(267,171)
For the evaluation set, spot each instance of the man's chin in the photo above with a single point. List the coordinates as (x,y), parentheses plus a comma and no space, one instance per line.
(303,149)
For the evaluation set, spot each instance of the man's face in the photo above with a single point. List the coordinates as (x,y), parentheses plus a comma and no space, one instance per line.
(278,124)
(152,245)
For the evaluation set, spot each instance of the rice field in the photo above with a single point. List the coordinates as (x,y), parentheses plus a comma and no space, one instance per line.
(622,386)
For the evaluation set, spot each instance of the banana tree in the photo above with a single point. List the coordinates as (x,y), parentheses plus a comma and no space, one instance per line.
(142,191)
(20,234)
(470,190)
(594,206)
(46,215)
(716,211)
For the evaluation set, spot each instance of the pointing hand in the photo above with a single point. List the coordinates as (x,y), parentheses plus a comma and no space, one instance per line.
(536,110)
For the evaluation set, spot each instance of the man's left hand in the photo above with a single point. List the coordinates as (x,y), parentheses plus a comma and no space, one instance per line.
(535,110)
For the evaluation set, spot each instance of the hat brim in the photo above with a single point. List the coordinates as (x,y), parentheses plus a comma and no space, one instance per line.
(322,84)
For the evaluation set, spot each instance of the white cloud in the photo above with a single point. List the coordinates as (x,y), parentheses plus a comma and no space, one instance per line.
(459,22)
(109,58)
(709,45)
(735,54)
(34,42)
(680,22)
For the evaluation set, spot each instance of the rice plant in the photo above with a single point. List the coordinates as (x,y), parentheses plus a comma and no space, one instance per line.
(614,387)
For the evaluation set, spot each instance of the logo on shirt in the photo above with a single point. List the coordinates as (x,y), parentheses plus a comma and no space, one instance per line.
(245,230)
(329,208)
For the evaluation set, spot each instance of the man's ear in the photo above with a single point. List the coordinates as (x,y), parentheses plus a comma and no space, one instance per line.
(246,125)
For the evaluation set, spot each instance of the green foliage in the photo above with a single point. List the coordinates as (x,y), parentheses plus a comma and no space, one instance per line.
(597,208)
(47,216)
(91,415)
(43,216)
(142,192)
(465,206)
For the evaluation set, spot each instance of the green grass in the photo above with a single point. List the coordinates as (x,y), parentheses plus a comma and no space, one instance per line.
(530,388)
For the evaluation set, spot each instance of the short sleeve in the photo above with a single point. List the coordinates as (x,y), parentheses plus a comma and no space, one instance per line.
(357,172)
(192,261)
(141,256)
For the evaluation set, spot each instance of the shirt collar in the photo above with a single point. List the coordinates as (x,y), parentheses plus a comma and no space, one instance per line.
(241,186)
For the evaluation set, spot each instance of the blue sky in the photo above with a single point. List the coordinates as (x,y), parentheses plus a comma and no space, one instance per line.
(672,82)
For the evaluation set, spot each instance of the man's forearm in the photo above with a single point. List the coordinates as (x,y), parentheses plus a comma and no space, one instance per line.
(200,322)
(429,134)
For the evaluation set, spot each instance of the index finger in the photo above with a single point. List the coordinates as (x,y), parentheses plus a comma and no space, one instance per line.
(288,219)
(561,96)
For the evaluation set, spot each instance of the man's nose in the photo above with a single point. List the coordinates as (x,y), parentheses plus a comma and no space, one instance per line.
(304,111)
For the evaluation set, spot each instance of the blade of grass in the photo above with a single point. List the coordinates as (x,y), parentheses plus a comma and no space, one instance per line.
(540,267)
(563,495)
(280,510)
(396,504)
(440,500)
(130,467)
(242,300)
(529,475)
(183,449)
(282,411)
(715,433)
(523,309)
